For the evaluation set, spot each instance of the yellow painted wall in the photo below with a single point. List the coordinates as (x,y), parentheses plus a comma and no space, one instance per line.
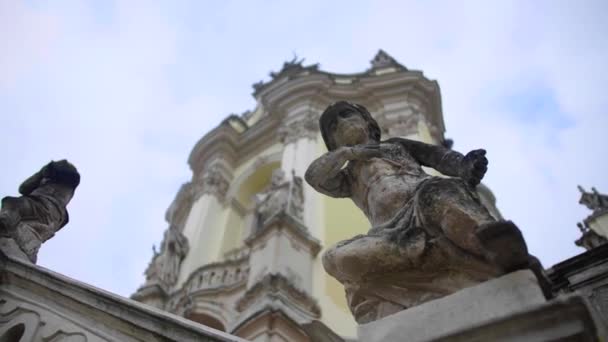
(254,183)
(233,232)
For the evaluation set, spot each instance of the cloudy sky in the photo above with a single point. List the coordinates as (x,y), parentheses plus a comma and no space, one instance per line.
(125,89)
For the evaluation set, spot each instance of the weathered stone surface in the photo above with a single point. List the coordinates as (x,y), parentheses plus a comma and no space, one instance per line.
(562,319)
(430,236)
(37,304)
(469,307)
(282,195)
(586,275)
(594,228)
(36,216)
(164,267)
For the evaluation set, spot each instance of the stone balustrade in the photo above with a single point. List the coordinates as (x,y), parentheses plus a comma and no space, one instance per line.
(222,274)
(237,253)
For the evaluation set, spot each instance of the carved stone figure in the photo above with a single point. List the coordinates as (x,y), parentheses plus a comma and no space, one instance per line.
(589,239)
(430,236)
(598,203)
(28,221)
(593,200)
(164,267)
(281,195)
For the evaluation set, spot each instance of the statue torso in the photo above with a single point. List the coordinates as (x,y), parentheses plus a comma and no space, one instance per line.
(382,186)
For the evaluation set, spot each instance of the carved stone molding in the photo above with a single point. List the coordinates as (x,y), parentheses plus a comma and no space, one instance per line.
(405,122)
(273,285)
(38,324)
(180,207)
(163,269)
(281,196)
(213,181)
(306,127)
(37,304)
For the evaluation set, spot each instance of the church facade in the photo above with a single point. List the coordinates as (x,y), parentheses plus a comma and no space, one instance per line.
(240,259)
(242,251)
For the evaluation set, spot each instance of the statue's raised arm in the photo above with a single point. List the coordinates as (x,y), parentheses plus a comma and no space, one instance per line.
(430,236)
(28,221)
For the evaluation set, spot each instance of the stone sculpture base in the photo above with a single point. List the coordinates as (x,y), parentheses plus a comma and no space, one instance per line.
(509,308)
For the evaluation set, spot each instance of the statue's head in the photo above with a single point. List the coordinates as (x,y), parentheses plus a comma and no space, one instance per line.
(345,123)
(56,172)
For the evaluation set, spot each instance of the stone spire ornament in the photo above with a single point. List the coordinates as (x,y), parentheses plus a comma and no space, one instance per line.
(28,221)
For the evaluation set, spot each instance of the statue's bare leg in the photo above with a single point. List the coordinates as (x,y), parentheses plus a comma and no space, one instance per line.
(449,205)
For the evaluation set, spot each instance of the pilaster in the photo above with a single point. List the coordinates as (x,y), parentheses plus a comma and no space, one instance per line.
(203,228)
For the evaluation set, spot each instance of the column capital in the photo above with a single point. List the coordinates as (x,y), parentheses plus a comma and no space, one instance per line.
(212,181)
(305,127)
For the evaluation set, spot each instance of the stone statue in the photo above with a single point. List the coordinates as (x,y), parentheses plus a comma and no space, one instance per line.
(164,267)
(28,221)
(593,200)
(430,236)
(281,195)
(589,239)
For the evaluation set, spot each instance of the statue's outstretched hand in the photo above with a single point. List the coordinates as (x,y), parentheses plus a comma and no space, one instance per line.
(474,167)
(364,152)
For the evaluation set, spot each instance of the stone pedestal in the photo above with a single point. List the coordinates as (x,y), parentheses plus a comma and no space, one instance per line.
(509,308)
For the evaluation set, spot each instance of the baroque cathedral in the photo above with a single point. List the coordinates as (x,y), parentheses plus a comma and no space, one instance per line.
(241,253)
(241,257)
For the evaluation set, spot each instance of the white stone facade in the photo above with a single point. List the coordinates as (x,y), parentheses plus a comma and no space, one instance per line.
(277,276)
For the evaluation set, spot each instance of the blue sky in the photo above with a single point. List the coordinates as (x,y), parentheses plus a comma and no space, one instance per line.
(125,89)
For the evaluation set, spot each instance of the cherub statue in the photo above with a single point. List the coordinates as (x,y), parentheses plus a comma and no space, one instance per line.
(28,221)
(430,235)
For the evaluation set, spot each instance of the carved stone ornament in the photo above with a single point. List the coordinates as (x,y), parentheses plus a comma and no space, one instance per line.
(275,285)
(306,127)
(593,200)
(281,196)
(212,182)
(430,236)
(28,221)
(23,321)
(165,265)
(384,60)
(182,200)
(590,238)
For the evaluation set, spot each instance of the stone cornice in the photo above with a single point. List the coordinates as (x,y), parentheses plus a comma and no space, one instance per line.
(282,221)
(273,285)
(178,210)
(367,89)
(227,143)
